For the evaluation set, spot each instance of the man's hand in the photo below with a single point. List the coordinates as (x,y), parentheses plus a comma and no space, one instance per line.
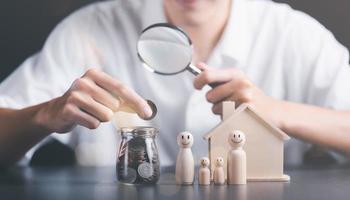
(90,101)
(238,88)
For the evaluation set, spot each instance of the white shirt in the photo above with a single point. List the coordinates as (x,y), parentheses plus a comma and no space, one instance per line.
(286,53)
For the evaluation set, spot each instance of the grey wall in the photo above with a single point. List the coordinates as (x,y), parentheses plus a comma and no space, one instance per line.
(25,24)
(334,14)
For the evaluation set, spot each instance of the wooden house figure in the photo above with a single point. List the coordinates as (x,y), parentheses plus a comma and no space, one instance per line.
(264,142)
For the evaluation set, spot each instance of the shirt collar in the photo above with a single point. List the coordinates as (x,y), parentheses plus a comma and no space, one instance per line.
(234,43)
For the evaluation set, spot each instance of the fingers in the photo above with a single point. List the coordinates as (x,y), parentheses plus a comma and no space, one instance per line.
(210,75)
(84,119)
(220,93)
(71,116)
(217,108)
(202,66)
(88,105)
(90,101)
(235,86)
(97,93)
(115,87)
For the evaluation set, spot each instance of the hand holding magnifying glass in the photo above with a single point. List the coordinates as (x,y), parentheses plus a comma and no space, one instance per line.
(167,50)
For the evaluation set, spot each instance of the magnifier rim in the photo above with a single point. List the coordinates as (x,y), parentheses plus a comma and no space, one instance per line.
(171,26)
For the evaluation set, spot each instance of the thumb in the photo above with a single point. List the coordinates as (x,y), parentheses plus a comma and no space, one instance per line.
(202,66)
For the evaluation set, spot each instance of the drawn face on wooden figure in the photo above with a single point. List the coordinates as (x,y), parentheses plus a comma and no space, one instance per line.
(185,140)
(219,162)
(204,162)
(236,138)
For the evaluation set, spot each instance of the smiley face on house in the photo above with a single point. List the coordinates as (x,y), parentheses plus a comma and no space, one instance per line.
(236,138)
(185,140)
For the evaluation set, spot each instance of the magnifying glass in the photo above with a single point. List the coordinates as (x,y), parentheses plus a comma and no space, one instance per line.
(166,50)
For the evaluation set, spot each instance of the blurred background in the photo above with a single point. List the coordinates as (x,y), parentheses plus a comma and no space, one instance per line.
(25,24)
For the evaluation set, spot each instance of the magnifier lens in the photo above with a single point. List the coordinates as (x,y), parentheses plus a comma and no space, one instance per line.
(165,50)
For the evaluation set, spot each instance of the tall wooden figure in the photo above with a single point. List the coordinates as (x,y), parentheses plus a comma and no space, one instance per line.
(204,172)
(219,174)
(184,173)
(236,161)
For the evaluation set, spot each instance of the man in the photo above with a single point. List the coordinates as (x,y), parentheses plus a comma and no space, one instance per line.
(282,62)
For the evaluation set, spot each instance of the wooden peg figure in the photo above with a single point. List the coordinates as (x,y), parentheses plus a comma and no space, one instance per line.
(219,175)
(204,172)
(236,161)
(184,172)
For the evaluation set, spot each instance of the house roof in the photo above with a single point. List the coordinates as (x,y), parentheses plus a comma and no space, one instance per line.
(243,107)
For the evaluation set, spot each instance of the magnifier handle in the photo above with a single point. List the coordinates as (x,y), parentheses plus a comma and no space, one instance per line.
(196,71)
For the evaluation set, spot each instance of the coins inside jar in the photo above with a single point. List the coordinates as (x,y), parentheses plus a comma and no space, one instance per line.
(138,160)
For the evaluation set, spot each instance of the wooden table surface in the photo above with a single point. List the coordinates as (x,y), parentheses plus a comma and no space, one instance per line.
(100,183)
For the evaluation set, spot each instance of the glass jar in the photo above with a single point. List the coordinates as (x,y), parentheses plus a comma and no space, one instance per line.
(138,160)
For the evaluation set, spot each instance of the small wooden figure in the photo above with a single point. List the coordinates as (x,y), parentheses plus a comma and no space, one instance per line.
(237,162)
(219,173)
(204,172)
(184,173)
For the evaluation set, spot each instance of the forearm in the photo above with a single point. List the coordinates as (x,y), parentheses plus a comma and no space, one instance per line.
(326,127)
(88,102)
(19,131)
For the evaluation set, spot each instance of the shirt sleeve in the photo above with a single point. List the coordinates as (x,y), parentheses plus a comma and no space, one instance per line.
(48,73)
(320,71)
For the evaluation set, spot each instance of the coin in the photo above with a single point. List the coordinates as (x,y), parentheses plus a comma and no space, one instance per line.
(153,108)
(145,170)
